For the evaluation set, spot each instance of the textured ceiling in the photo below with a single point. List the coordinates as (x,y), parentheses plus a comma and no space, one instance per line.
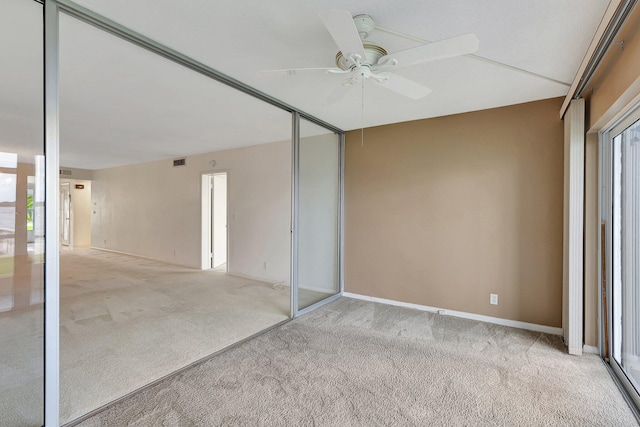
(545,37)
(121,104)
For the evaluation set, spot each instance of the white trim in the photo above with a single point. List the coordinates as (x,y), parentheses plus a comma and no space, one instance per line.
(258,279)
(464,315)
(573,232)
(621,108)
(142,257)
(590,349)
(205,218)
(320,290)
(205,221)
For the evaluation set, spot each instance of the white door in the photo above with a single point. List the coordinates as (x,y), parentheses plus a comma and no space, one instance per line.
(219,219)
(65,214)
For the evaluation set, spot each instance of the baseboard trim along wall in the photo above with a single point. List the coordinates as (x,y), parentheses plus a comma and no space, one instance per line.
(141,257)
(481,318)
(590,349)
(259,279)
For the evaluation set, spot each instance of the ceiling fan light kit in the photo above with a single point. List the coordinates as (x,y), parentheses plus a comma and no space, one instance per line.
(367,61)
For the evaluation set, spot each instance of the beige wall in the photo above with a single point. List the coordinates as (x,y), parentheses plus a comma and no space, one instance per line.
(154,210)
(442,212)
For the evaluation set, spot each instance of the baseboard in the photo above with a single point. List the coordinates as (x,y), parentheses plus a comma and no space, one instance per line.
(590,349)
(575,351)
(319,290)
(144,257)
(257,279)
(479,317)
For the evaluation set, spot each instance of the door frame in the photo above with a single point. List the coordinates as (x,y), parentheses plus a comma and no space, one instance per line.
(68,242)
(295,219)
(206,215)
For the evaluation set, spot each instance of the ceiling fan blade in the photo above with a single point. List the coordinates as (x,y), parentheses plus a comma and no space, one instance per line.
(402,85)
(340,25)
(337,94)
(295,71)
(448,48)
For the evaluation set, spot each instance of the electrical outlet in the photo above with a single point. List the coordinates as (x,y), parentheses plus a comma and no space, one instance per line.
(494,299)
(266,265)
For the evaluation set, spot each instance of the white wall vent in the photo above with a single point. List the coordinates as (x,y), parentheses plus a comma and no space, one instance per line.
(179,162)
(65,172)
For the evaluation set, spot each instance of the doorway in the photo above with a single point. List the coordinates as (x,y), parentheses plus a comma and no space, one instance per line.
(214,221)
(65,214)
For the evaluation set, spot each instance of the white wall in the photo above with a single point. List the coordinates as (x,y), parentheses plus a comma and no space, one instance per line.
(318,215)
(154,210)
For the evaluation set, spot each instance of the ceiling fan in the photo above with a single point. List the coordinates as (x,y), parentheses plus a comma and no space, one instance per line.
(364,61)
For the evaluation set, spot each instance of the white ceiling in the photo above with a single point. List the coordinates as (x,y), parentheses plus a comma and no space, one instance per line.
(121,104)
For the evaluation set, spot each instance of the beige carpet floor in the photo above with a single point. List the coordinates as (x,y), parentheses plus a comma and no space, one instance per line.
(127,321)
(355,363)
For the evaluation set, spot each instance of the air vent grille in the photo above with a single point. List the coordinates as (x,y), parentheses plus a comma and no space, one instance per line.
(65,172)
(179,162)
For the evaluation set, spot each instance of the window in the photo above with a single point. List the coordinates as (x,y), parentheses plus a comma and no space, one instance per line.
(622,215)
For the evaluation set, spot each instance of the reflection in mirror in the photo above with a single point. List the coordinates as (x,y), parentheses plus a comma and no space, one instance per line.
(175,217)
(318,214)
(21,215)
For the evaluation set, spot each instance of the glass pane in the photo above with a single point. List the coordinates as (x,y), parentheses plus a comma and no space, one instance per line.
(627,280)
(154,275)
(318,219)
(21,215)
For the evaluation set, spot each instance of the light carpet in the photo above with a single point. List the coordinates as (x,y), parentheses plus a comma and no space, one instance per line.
(127,321)
(356,363)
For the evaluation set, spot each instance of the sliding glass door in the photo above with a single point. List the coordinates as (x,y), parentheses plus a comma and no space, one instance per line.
(318,214)
(125,128)
(21,214)
(624,244)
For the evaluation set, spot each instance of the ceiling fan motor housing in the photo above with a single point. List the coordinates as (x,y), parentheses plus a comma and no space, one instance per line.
(373,53)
